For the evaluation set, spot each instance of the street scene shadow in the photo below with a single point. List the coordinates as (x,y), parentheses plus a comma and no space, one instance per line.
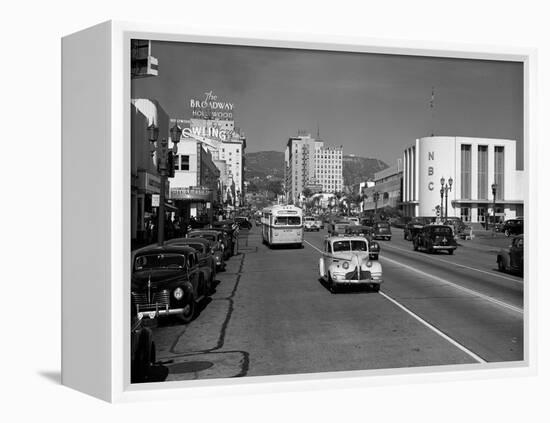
(346,289)
(53,376)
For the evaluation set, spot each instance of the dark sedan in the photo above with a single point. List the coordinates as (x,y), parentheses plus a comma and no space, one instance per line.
(218,238)
(166,281)
(382,230)
(511,259)
(205,253)
(434,238)
(367,232)
(512,227)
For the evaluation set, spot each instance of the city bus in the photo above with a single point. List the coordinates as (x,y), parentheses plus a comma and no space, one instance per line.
(282,225)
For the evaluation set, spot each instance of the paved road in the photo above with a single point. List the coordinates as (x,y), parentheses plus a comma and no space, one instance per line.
(271,315)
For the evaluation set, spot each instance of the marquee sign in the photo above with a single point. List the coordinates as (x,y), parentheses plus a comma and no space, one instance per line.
(211,108)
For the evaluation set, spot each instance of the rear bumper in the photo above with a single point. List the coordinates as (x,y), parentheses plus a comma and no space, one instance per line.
(444,247)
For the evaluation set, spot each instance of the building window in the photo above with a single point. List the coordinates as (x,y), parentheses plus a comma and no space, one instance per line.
(184,162)
(481,212)
(176,162)
(499,172)
(465,214)
(482,172)
(465,171)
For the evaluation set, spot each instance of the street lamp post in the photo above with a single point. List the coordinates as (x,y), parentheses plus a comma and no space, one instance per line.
(446,186)
(163,158)
(494,189)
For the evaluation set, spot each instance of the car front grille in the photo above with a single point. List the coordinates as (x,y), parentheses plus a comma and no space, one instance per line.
(160,300)
(363,274)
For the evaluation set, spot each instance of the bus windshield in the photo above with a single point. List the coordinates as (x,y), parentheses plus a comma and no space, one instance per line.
(287,221)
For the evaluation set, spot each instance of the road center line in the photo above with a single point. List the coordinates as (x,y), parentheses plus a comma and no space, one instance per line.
(454,285)
(497,275)
(422,321)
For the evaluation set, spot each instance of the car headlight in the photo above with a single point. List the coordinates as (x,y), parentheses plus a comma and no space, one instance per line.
(345,265)
(178,293)
(369,263)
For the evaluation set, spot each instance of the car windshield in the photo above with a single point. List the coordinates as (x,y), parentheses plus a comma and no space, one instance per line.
(197,247)
(355,245)
(209,237)
(287,220)
(162,261)
(442,231)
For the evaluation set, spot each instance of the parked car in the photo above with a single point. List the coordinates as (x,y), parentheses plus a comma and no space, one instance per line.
(414,226)
(346,262)
(232,230)
(382,230)
(367,232)
(219,238)
(512,227)
(205,253)
(511,259)
(143,352)
(435,238)
(310,224)
(166,281)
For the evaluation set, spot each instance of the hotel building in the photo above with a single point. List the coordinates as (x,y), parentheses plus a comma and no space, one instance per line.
(474,164)
(309,164)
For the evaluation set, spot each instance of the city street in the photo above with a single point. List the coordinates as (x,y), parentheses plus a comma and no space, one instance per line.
(271,315)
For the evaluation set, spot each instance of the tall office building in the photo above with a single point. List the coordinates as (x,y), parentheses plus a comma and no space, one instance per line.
(309,164)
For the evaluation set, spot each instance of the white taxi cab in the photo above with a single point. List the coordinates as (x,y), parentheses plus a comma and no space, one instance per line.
(346,262)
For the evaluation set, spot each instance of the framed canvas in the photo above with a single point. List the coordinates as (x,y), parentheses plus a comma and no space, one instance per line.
(272,212)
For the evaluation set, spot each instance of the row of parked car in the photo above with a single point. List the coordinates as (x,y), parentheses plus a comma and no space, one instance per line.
(172,279)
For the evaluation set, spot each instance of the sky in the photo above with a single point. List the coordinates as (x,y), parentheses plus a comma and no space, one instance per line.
(374,105)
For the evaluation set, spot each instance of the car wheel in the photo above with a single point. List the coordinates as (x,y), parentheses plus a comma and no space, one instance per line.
(415,246)
(188,310)
(209,285)
(451,252)
(500,265)
(507,233)
(331,285)
(375,287)
(153,354)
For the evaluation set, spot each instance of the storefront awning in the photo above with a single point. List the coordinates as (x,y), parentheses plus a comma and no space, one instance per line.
(170,208)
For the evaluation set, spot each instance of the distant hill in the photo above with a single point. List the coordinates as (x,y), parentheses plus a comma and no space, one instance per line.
(357,169)
(264,163)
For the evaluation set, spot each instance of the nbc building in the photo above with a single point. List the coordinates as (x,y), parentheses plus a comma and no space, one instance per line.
(475,166)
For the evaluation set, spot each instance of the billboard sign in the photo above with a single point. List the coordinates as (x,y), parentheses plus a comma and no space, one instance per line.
(210,107)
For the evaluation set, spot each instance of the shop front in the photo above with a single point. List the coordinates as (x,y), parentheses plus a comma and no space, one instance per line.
(145,192)
(193,203)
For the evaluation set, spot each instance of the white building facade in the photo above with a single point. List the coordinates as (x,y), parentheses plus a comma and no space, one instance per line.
(311,164)
(474,165)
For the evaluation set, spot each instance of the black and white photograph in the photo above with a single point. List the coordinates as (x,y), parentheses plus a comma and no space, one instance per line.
(300,211)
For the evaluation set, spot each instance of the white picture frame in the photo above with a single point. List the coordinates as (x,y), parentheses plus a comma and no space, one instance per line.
(96,123)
